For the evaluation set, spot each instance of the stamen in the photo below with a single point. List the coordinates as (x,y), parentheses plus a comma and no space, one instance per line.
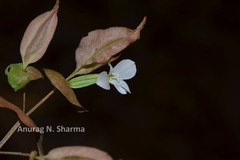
(116,76)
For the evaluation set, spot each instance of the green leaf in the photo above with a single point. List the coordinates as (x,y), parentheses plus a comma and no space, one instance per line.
(19,78)
(83,81)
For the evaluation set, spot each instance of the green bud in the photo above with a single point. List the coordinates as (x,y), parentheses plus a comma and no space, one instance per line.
(83,81)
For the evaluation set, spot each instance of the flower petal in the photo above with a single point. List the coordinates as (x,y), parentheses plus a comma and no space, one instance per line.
(122,87)
(126,69)
(102,80)
(111,68)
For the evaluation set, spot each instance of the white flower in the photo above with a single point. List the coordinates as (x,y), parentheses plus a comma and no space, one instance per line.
(126,69)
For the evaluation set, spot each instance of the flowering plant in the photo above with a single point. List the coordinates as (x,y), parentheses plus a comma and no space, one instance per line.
(98,48)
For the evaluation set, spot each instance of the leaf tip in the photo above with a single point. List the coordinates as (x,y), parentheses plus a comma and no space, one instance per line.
(141,25)
(7,70)
(79,105)
(56,6)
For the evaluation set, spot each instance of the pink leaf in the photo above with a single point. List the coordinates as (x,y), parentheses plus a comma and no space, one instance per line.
(21,115)
(77,152)
(38,35)
(100,46)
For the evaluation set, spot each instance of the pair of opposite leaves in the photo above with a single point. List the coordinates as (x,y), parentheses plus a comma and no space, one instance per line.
(94,50)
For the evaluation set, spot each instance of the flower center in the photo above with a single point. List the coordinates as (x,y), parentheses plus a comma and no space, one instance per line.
(114,76)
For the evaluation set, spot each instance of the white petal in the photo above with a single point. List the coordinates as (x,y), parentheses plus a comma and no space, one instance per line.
(111,68)
(126,69)
(102,80)
(113,81)
(122,87)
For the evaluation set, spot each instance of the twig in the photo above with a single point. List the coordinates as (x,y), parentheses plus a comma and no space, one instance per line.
(24,99)
(9,134)
(15,153)
(21,154)
(41,102)
(39,144)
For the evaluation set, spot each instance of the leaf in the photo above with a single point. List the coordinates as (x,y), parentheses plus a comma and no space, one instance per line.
(100,46)
(38,35)
(61,84)
(19,78)
(77,153)
(83,81)
(21,115)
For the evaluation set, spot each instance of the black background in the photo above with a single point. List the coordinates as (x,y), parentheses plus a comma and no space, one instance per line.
(185,96)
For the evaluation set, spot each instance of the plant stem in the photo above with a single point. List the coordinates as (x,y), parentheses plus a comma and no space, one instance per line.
(15,153)
(39,141)
(39,145)
(24,99)
(21,154)
(17,124)
(71,76)
(9,134)
(41,102)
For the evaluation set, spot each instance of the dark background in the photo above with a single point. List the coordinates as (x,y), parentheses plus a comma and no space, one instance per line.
(185,96)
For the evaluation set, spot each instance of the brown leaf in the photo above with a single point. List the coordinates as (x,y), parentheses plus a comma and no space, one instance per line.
(100,46)
(61,84)
(34,73)
(38,35)
(77,152)
(21,115)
